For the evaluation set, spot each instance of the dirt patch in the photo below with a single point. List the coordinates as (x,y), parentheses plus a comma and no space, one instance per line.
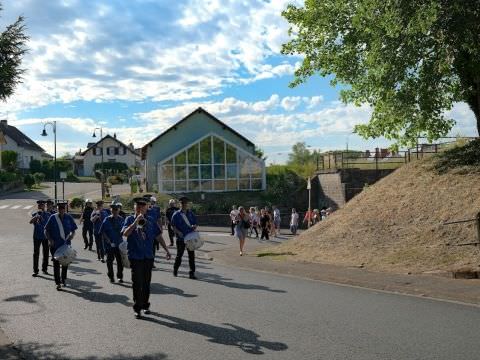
(397,224)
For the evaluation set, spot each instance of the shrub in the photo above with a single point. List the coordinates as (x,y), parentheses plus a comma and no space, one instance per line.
(8,176)
(71,177)
(9,160)
(76,202)
(111,167)
(39,178)
(29,181)
(116,179)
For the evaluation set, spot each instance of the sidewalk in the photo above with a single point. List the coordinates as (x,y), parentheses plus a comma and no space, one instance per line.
(430,286)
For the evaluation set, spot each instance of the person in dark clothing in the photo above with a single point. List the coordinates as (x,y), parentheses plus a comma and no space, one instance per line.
(111,230)
(87,228)
(264,224)
(98,215)
(140,231)
(39,219)
(184,222)
(169,213)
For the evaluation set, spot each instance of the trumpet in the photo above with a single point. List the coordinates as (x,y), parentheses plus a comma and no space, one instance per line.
(141,223)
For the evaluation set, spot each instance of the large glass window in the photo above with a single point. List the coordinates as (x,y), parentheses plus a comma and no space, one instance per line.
(211,165)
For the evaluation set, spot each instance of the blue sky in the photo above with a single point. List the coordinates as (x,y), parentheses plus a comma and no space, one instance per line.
(136,67)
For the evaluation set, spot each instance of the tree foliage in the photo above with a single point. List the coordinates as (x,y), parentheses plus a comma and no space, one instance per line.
(9,160)
(303,160)
(410,60)
(12,48)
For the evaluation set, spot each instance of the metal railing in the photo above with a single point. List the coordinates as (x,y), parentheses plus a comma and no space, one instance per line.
(477,221)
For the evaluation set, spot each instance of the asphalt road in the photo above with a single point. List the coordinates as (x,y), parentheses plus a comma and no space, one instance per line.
(227,314)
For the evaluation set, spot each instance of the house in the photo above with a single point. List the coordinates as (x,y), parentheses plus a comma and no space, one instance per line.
(25,147)
(113,151)
(200,153)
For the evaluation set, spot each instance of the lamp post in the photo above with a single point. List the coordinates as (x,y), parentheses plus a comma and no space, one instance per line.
(103,175)
(44,133)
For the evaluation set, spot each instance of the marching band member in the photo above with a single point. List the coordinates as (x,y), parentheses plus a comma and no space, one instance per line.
(184,222)
(50,207)
(168,214)
(39,219)
(59,230)
(98,215)
(155,213)
(141,232)
(87,228)
(111,231)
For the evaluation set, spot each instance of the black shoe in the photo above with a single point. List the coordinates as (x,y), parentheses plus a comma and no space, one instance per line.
(153,266)
(59,287)
(85,248)
(112,280)
(175,272)
(90,249)
(138,315)
(103,260)
(192,276)
(120,281)
(35,274)
(172,244)
(146,312)
(45,272)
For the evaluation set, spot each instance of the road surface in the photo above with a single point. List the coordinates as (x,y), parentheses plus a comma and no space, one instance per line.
(227,314)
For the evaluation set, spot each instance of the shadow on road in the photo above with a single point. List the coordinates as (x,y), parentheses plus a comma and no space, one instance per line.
(28,298)
(84,290)
(160,289)
(232,335)
(33,350)
(220,280)
(79,271)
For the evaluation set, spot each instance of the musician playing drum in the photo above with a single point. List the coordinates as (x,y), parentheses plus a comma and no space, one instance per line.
(39,219)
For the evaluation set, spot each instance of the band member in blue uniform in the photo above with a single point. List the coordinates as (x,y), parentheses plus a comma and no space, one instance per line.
(86,221)
(51,207)
(98,215)
(59,230)
(39,220)
(184,222)
(140,232)
(168,214)
(154,213)
(111,230)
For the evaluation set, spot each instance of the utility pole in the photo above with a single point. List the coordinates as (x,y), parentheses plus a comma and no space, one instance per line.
(101,148)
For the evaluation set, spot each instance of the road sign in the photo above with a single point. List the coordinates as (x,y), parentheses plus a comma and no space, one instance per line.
(63,175)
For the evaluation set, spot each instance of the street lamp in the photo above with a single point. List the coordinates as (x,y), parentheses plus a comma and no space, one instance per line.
(44,133)
(102,178)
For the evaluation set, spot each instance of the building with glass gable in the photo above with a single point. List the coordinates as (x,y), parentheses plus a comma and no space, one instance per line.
(202,154)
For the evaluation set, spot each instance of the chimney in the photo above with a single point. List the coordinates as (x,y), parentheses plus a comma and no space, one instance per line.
(4,122)
(131,146)
(114,135)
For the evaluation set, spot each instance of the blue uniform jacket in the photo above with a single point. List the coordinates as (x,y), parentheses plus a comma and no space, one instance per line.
(52,228)
(96,225)
(38,228)
(181,225)
(112,228)
(140,241)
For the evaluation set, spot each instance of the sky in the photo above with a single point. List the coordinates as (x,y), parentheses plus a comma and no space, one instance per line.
(137,67)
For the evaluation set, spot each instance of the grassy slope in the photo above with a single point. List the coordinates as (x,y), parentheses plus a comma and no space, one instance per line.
(396,225)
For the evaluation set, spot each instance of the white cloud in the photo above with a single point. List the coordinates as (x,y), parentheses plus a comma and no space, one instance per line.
(131,51)
(290,103)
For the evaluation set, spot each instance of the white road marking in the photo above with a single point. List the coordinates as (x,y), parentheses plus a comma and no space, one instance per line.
(4,206)
(28,207)
(16,206)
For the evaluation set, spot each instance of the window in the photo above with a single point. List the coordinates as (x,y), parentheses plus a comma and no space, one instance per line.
(117,151)
(211,164)
(97,151)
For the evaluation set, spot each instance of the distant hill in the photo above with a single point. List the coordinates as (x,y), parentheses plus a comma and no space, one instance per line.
(396,224)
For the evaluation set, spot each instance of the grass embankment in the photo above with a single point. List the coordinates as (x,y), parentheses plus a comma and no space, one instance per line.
(397,224)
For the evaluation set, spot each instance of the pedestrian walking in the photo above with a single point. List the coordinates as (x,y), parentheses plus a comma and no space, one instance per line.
(294,222)
(184,222)
(154,212)
(111,231)
(172,208)
(233,216)
(140,232)
(254,221)
(264,224)
(97,217)
(276,221)
(39,220)
(242,224)
(87,225)
(60,230)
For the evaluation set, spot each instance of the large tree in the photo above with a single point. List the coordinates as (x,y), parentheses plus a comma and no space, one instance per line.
(12,48)
(411,60)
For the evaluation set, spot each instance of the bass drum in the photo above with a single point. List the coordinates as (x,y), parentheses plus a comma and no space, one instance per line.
(123,247)
(65,255)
